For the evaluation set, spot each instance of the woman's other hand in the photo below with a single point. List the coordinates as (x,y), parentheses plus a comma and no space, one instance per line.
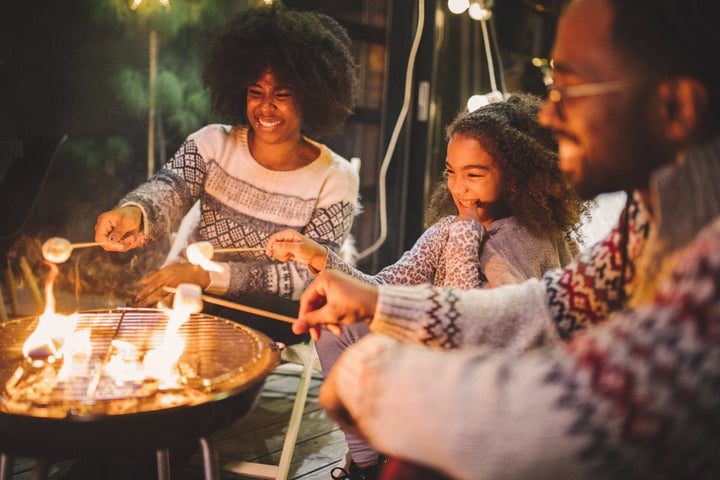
(172,275)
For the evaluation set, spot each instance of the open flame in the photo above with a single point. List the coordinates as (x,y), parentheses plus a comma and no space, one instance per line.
(57,339)
(45,344)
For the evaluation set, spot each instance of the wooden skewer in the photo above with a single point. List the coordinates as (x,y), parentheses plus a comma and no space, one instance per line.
(87,244)
(240,249)
(238,306)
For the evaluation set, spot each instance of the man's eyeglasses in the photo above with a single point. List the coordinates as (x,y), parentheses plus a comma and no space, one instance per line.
(558,94)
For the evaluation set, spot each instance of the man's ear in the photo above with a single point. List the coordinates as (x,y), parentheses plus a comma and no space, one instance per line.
(683,101)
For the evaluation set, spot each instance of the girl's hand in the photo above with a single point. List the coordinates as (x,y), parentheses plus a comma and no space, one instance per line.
(292,245)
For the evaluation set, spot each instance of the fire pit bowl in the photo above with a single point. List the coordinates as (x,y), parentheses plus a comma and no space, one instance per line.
(219,376)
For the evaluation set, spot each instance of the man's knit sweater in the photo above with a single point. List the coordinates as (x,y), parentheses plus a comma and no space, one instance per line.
(635,397)
(242,203)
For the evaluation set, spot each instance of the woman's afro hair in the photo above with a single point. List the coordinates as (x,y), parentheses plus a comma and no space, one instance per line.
(308,51)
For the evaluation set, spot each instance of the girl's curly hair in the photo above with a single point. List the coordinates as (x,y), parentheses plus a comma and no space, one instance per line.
(308,51)
(533,189)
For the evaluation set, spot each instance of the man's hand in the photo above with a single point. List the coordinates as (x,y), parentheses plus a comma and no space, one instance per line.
(332,299)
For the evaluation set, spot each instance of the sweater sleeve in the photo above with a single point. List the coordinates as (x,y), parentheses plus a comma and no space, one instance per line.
(329,225)
(565,301)
(171,192)
(462,255)
(633,398)
(416,266)
(450,318)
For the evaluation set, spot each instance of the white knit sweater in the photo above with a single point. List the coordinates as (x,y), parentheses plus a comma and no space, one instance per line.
(242,203)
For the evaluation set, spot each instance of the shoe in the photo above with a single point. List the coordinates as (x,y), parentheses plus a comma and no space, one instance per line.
(353,472)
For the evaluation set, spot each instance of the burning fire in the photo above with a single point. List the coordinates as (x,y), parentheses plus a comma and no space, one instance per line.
(57,339)
(45,344)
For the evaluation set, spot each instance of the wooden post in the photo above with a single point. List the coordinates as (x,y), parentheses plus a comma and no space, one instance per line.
(10,287)
(151,110)
(32,283)
(3,310)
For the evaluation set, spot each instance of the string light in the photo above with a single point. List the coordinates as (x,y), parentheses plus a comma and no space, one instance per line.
(136,3)
(480,10)
(477,101)
(458,6)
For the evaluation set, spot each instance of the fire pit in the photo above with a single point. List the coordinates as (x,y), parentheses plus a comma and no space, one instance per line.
(89,401)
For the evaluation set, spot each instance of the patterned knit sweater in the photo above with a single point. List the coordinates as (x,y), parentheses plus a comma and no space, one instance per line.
(468,255)
(242,203)
(635,397)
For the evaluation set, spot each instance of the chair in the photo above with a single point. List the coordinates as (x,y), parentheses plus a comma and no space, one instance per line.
(305,355)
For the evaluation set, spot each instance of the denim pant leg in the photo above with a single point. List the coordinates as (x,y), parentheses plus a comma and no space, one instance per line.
(329,348)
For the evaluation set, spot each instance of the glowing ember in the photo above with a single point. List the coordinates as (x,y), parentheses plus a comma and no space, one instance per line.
(123,364)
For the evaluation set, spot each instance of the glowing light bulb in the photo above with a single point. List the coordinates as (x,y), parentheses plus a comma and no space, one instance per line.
(477,101)
(479,12)
(458,6)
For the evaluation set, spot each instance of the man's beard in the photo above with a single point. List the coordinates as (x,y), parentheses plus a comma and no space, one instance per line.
(626,162)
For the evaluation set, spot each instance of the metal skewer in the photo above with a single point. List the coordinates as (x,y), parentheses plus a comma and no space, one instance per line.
(238,306)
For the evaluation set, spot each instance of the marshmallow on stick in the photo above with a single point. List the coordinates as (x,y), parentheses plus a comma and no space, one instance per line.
(58,249)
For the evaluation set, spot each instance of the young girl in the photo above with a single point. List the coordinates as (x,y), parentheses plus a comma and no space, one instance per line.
(504,214)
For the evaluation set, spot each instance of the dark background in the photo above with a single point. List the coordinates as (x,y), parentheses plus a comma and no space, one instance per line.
(74,101)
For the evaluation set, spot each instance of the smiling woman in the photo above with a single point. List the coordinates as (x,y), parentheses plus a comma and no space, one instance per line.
(275,75)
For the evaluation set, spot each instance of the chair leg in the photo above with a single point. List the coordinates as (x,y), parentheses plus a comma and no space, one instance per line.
(294,424)
(280,472)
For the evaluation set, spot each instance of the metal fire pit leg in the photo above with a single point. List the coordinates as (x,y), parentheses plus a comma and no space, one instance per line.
(7,465)
(211,462)
(41,470)
(163,463)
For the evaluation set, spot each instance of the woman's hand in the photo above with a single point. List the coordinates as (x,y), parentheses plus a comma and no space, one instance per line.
(292,245)
(169,276)
(119,229)
(332,299)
